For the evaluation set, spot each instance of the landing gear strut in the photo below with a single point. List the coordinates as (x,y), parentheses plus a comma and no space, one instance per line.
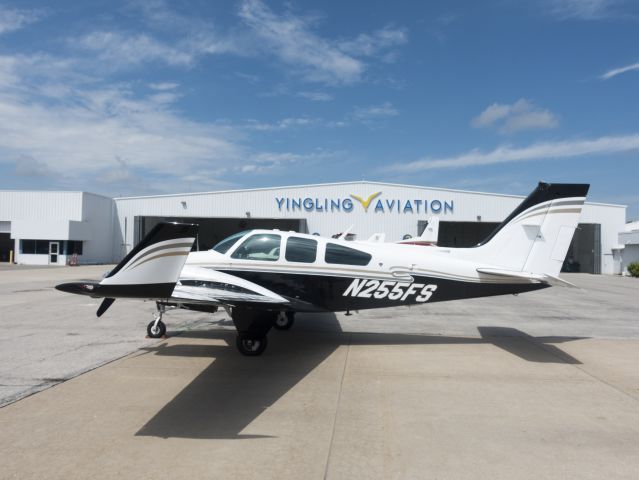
(284,320)
(156,328)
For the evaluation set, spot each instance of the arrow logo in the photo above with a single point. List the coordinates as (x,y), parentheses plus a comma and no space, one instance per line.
(365,203)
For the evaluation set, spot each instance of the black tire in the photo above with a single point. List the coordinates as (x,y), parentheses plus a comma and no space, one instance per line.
(249,346)
(284,322)
(157,332)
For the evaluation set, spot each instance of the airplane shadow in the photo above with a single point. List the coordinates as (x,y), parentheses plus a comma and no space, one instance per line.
(234,390)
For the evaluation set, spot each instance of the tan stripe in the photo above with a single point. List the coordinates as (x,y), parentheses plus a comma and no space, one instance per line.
(170,254)
(163,247)
(560,210)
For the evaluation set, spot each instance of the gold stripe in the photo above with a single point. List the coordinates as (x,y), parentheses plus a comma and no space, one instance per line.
(157,249)
(170,254)
(561,210)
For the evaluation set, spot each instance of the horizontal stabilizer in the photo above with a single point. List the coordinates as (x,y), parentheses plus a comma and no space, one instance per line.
(531,277)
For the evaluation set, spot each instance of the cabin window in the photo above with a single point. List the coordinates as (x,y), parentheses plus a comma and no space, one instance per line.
(345,255)
(301,250)
(264,246)
(228,242)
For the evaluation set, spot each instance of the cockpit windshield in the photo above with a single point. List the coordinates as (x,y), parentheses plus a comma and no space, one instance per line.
(228,242)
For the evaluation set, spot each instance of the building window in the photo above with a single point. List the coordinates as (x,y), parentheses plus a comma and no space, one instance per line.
(27,246)
(301,250)
(40,247)
(259,247)
(71,247)
(345,255)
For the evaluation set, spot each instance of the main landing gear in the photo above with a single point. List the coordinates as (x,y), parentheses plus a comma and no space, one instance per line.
(253,326)
(251,347)
(284,320)
(157,328)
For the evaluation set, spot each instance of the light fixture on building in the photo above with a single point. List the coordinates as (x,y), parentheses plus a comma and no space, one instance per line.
(248,214)
(479,218)
(183,204)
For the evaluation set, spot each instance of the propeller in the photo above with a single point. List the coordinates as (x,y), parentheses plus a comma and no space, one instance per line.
(104,306)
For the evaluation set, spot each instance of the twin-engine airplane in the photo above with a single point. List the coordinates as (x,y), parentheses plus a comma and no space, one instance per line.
(262,277)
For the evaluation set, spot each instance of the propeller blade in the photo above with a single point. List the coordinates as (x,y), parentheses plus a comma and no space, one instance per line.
(104,306)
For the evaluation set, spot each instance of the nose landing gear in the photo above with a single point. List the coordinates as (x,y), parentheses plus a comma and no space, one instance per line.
(156,328)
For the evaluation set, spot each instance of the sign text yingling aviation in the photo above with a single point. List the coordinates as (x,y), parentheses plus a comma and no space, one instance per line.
(374,203)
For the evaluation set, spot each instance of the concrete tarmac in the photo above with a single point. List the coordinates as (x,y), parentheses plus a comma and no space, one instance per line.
(543,385)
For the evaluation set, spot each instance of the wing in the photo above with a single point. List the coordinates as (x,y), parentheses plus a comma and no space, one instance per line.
(200,285)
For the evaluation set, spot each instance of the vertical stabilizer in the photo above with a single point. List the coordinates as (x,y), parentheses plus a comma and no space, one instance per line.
(536,235)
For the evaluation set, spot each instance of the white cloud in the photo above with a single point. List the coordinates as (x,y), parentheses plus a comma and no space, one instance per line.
(618,71)
(291,39)
(584,9)
(163,86)
(116,49)
(521,115)
(283,124)
(316,96)
(26,166)
(370,44)
(263,34)
(83,132)
(539,151)
(374,112)
(265,162)
(12,19)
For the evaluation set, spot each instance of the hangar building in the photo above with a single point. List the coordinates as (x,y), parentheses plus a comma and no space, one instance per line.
(100,229)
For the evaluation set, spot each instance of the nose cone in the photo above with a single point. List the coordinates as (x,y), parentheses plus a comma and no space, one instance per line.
(80,288)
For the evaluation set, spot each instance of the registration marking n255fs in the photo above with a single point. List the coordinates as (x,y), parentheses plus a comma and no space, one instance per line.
(362,288)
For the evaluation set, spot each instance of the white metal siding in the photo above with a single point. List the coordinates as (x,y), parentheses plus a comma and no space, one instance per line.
(40,205)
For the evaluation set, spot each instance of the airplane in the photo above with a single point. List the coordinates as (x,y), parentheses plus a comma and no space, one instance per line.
(427,238)
(263,277)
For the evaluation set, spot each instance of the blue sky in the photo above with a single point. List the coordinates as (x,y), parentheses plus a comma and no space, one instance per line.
(141,97)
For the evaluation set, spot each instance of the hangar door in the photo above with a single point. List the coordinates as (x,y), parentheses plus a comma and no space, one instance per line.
(213,230)
(584,253)
(462,234)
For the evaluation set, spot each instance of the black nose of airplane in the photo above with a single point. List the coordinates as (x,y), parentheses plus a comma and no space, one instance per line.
(81,288)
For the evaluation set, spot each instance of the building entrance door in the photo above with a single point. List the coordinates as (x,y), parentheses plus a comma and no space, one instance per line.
(54,250)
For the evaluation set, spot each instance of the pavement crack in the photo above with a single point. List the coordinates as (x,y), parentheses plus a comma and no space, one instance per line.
(337,407)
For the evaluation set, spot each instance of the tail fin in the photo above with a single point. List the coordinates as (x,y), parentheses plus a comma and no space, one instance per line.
(431,232)
(536,235)
(153,267)
(149,271)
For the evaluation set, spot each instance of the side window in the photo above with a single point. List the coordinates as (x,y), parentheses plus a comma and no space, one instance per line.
(301,250)
(345,255)
(262,246)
